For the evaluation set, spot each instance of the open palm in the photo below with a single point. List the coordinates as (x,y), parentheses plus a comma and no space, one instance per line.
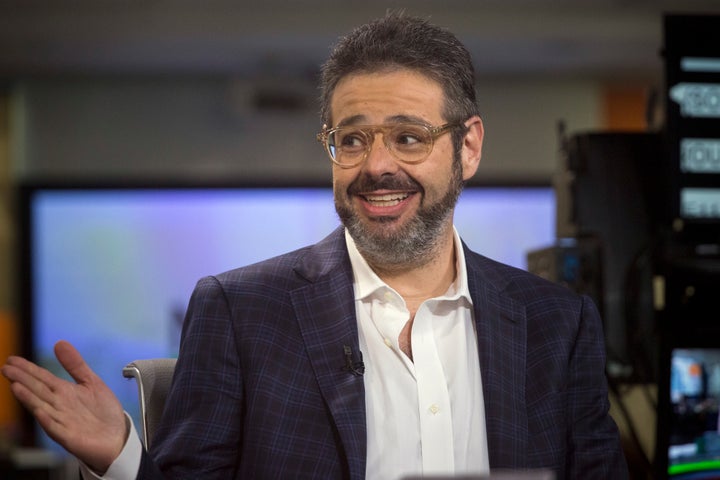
(85,417)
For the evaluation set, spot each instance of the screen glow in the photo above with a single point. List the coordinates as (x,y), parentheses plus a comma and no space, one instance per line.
(112,269)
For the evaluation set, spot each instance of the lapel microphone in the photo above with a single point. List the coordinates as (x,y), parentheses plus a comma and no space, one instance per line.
(356,368)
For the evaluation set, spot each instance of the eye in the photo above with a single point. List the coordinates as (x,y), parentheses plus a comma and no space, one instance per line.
(350,140)
(409,136)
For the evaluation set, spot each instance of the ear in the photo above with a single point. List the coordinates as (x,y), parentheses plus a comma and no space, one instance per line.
(472,146)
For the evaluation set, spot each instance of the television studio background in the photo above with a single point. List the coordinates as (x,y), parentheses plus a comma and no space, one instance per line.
(135,134)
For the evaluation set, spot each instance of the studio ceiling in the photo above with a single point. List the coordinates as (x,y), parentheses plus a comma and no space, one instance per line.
(291,38)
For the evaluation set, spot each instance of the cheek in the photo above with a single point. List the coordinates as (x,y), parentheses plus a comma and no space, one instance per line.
(341,178)
(338,176)
(436,176)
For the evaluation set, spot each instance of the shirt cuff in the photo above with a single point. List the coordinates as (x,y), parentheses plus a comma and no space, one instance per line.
(126,465)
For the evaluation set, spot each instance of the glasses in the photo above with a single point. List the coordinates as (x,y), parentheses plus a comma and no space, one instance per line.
(348,146)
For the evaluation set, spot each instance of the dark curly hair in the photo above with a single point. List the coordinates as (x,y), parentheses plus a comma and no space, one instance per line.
(396,41)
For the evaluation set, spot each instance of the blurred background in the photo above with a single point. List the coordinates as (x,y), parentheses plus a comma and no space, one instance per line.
(158,92)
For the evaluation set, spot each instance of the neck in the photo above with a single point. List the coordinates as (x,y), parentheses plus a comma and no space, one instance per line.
(430,279)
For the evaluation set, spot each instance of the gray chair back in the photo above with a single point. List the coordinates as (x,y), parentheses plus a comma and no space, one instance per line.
(153,378)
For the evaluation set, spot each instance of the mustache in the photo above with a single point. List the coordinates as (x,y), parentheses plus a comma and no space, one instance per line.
(367,183)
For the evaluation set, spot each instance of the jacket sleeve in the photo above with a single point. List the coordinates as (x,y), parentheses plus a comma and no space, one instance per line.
(595,450)
(200,432)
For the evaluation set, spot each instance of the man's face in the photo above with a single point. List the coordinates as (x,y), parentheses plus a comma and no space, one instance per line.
(397,213)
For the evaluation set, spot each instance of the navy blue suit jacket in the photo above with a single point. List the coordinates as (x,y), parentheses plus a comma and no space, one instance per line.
(260,390)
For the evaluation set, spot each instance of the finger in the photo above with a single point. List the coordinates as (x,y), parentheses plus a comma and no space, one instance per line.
(15,361)
(36,405)
(43,412)
(73,362)
(39,381)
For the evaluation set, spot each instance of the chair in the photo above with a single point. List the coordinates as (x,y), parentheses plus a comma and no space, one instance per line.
(153,377)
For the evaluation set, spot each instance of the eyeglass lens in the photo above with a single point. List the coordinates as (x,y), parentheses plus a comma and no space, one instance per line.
(407,142)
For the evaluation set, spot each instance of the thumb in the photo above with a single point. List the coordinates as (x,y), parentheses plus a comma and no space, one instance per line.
(73,362)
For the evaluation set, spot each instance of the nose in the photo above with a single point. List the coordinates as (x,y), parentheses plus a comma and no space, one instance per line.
(379,160)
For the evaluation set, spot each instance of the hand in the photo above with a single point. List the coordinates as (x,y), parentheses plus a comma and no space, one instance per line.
(84,417)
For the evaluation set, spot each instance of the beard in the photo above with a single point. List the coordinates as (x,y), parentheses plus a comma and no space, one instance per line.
(405,246)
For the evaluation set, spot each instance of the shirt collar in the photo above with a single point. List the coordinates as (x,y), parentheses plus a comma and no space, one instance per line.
(366,281)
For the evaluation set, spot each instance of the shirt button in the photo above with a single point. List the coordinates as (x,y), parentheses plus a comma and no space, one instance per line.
(434,409)
(388,342)
(388,296)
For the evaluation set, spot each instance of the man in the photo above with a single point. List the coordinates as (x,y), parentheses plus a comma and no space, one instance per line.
(388,349)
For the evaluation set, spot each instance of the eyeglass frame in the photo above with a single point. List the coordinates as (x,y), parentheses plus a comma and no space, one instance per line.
(370,130)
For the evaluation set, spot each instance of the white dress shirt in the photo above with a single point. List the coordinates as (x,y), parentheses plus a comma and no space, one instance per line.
(126,465)
(425,416)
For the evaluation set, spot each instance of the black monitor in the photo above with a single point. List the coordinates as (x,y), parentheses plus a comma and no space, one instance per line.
(688,432)
(692,72)
(688,268)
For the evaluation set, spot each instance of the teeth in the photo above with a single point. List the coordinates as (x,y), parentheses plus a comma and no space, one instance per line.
(386,200)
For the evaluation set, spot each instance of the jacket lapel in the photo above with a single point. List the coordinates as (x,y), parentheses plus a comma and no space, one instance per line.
(326,315)
(502,338)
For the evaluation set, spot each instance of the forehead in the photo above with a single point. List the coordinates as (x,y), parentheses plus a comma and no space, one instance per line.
(377,96)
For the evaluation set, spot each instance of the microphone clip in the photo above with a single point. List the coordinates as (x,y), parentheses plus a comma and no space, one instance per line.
(351,366)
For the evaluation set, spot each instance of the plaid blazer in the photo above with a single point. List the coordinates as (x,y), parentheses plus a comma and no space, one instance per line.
(260,389)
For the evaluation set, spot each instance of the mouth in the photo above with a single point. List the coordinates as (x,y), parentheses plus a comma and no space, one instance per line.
(386,200)
(386,205)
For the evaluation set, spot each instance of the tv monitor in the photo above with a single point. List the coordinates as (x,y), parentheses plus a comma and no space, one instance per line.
(693,429)
(111,268)
(692,77)
(688,432)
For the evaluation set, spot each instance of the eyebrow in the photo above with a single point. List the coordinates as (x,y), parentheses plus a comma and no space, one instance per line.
(394,119)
